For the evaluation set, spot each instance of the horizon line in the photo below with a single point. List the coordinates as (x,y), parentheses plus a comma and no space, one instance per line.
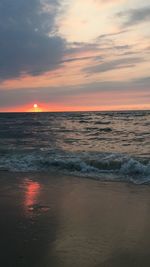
(34,112)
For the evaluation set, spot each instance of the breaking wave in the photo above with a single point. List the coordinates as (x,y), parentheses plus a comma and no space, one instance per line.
(103,166)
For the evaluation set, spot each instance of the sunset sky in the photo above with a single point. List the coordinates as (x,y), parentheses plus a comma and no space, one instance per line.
(74,55)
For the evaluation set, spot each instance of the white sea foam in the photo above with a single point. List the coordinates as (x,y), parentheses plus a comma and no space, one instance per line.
(109,166)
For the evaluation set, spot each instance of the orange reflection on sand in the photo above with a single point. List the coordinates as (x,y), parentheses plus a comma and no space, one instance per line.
(32,192)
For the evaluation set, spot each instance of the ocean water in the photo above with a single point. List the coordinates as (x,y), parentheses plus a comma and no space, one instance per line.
(101,145)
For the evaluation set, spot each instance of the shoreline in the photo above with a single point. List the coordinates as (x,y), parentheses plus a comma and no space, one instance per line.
(76,176)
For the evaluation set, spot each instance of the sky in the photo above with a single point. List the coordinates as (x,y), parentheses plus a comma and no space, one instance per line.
(74,55)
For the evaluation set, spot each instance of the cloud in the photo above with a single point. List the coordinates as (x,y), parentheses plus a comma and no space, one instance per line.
(108,1)
(29,44)
(65,94)
(140,84)
(99,47)
(103,36)
(79,47)
(113,65)
(135,16)
(143,81)
(76,59)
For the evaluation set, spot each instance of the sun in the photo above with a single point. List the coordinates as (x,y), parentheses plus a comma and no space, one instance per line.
(36,108)
(35,105)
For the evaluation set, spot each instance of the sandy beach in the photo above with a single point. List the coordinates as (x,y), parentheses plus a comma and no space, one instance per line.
(52,220)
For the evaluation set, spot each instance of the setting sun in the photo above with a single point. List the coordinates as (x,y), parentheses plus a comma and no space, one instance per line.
(36,108)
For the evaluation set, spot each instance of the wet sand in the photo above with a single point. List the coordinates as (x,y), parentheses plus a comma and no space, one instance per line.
(48,220)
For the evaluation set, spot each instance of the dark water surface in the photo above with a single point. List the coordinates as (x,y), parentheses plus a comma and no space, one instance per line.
(114,145)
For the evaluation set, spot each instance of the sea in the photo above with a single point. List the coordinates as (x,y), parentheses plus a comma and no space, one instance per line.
(107,146)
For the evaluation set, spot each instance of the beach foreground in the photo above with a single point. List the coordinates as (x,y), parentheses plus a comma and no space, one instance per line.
(52,220)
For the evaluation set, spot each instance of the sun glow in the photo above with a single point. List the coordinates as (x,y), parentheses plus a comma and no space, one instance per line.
(36,108)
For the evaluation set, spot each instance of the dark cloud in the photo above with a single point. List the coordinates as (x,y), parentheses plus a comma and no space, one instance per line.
(143,81)
(112,65)
(140,84)
(107,35)
(122,47)
(95,58)
(28,43)
(135,16)
(76,59)
(79,47)
(129,53)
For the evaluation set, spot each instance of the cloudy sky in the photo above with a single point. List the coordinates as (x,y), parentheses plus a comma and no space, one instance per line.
(74,54)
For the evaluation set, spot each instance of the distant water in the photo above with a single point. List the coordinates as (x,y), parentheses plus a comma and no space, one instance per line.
(102,145)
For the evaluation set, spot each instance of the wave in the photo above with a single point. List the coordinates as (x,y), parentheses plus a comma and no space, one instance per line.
(103,166)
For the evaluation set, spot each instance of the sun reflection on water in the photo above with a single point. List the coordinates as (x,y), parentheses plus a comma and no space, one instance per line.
(32,191)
